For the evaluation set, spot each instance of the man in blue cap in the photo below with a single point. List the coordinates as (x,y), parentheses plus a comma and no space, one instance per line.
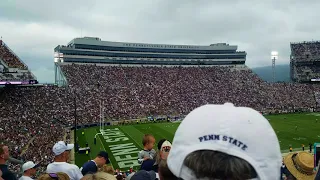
(93,165)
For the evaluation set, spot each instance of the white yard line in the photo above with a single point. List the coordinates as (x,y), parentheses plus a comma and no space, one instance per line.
(104,148)
(132,139)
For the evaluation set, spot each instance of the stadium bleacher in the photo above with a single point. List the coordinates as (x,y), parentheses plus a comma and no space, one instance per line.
(129,92)
(11,66)
(9,57)
(305,58)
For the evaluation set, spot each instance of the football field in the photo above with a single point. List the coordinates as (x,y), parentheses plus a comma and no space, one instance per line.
(124,142)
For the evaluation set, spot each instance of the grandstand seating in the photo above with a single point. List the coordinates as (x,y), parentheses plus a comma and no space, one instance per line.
(138,91)
(304,61)
(8,57)
(27,116)
(306,50)
(11,67)
(35,113)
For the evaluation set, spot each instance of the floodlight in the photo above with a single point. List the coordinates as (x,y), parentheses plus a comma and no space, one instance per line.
(274,55)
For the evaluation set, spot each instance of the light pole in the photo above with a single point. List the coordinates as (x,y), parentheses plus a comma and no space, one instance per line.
(73,92)
(274,57)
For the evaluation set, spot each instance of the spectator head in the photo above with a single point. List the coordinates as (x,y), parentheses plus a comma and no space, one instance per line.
(300,165)
(164,172)
(119,177)
(148,141)
(225,142)
(102,159)
(144,175)
(107,169)
(99,175)
(147,165)
(29,168)
(4,153)
(54,176)
(61,150)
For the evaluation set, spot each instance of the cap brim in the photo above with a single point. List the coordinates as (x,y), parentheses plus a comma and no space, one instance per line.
(70,146)
(292,169)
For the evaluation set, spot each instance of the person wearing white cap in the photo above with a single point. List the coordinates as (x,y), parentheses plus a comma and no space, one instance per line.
(225,142)
(29,170)
(61,151)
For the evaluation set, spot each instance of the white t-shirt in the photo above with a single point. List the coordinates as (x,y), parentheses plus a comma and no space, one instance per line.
(25,178)
(72,170)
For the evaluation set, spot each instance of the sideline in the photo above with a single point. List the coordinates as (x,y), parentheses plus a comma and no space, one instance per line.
(295,151)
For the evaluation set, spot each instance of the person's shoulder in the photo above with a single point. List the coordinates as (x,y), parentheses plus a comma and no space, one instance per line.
(49,165)
(86,163)
(72,166)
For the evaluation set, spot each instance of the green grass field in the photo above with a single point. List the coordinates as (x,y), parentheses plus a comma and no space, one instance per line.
(124,142)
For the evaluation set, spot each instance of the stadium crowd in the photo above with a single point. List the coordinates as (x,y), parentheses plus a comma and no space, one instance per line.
(27,126)
(9,58)
(306,50)
(195,153)
(140,91)
(29,113)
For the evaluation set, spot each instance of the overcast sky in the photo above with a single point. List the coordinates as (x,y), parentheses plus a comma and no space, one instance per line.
(33,28)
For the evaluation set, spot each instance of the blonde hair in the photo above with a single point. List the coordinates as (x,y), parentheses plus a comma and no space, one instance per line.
(99,176)
(146,139)
(61,176)
(107,169)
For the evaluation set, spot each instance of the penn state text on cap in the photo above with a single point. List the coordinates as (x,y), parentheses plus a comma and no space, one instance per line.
(238,131)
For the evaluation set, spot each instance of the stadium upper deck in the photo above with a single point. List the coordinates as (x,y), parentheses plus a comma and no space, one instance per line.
(12,69)
(305,61)
(93,50)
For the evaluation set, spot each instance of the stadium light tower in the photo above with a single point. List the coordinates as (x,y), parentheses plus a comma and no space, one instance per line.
(274,57)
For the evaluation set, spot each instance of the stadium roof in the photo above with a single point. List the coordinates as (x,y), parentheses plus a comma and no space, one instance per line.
(97,42)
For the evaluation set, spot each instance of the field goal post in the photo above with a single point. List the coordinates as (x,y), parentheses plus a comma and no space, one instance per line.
(101,121)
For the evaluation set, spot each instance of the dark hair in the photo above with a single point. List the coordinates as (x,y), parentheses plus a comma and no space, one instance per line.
(119,177)
(218,165)
(146,139)
(164,171)
(160,143)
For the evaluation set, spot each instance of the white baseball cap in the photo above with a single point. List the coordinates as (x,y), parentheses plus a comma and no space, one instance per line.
(29,165)
(165,149)
(165,144)
(61,147)
(237,131)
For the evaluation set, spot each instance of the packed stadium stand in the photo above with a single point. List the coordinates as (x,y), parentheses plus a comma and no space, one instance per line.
(12,68)
(134,80)
(305,61)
